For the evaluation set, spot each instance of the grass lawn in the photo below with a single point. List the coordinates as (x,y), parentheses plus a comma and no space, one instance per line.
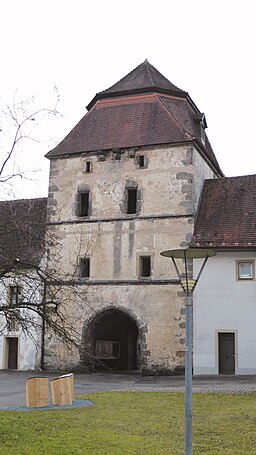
(121,423)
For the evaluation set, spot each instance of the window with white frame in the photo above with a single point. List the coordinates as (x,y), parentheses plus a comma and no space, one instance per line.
(14,295)
(13,314)
(245,270)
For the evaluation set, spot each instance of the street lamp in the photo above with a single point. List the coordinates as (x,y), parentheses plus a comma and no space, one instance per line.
(188,285)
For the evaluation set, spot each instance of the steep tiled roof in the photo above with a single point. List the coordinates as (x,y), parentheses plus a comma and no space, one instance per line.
(227,214)
(22,230)
(142,109)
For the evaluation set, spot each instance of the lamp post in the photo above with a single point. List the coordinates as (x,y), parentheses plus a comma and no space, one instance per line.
(188,285)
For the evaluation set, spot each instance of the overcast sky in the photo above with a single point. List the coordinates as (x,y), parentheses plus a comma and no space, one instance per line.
(204,47)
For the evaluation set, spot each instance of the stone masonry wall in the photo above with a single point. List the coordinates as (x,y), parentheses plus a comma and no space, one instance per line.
(168,187)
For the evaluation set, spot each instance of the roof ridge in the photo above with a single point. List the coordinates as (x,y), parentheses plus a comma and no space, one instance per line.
(234,177)
(25,199)
(148,71)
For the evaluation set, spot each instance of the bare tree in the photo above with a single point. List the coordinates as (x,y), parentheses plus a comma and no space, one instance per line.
(20,123)
(34,298)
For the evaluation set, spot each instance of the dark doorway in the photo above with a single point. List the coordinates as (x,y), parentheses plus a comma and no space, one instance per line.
(112,339)
(226,353)
(12,352)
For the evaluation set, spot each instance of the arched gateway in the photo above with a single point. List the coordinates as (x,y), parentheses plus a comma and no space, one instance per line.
(112,340)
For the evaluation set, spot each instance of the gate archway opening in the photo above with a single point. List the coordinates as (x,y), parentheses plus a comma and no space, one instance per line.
(113,342)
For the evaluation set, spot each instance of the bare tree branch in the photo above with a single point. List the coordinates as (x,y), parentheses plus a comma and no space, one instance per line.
(20,125)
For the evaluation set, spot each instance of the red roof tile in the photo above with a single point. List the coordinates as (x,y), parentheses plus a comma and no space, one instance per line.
(129,123)
(227,214)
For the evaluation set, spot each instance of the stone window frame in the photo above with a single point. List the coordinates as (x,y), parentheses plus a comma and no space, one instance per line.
(145,266)
(132,201)
(141,161)
(132,185)
(251,276)
(81,190)
(140,257)
(88,167)
(81,260)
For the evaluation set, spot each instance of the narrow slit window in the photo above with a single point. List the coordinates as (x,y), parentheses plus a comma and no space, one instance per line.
(145,266)
(141,159)
(84,268)
(88,166)
(84,204)
(131,200)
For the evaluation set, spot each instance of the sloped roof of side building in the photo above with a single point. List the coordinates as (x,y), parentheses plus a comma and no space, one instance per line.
(227,214)
(142,109)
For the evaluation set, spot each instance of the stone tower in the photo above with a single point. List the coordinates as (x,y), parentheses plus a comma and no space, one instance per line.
(125,185)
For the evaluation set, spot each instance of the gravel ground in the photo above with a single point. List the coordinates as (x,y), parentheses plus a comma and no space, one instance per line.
(75,404)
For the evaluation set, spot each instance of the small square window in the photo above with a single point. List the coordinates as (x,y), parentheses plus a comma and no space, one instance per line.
(245,270)
(145,266)
(84,268)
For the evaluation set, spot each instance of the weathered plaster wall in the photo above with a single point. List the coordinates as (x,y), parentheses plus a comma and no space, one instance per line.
(222,303)
(115,246)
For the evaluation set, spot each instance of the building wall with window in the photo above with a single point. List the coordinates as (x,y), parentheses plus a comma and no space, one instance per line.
(22,242)
(19,348)
(225,306)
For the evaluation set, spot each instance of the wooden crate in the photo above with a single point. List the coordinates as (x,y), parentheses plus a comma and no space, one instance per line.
(71,379)
(37,393)
(62,391)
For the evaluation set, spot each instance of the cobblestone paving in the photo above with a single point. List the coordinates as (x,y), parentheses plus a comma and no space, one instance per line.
(196,389)
(226,390)
(220,386)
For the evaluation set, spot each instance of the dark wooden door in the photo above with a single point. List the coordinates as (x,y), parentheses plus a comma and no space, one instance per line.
(12,353)
(226,353)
